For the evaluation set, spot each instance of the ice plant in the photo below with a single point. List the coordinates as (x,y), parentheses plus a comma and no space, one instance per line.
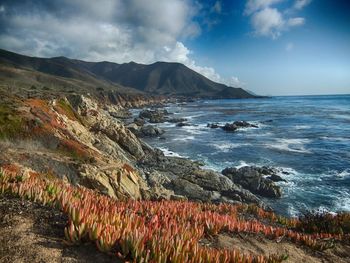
(164,231)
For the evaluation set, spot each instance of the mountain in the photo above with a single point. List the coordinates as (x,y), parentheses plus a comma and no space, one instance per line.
(68,75)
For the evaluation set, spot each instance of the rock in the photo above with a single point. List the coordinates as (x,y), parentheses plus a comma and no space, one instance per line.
(150,131)
(177,120)
(154,116)
(121,114)
(133,127)
(252,178)
(115,183)
(244,124)
(182,124)
(213,125)
(191,190)
(119,133)
(276,178)
(139,121)
(238,124)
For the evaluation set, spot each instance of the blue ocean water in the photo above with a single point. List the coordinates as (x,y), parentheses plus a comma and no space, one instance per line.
(308,136)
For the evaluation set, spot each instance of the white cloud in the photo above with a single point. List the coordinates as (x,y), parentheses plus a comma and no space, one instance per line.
(289,46)
(268,22)
(255,5)
(300,4)
(296,21)
(234,82)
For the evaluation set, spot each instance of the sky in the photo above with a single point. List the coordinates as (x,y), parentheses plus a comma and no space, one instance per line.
(269,47)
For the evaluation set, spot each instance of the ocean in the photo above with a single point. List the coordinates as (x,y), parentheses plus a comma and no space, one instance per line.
(307,136)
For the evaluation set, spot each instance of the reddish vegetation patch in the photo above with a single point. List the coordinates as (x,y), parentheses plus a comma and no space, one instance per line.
(167,231)
(128,168)
(41,110)
(11,168)
(75,148)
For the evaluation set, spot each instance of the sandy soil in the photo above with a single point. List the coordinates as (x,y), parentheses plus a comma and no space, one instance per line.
(33,233)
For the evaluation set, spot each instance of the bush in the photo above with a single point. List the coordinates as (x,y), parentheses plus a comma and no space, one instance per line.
(11,124)
(323,222)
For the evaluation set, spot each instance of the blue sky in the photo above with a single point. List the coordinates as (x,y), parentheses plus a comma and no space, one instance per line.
(271,47)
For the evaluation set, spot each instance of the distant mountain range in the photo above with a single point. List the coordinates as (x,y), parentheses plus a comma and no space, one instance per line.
(62,74)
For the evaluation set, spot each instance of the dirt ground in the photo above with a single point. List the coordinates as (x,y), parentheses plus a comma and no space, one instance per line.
(252,244)
(33,233)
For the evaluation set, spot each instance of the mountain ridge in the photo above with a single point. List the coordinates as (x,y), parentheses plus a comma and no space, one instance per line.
(158,79)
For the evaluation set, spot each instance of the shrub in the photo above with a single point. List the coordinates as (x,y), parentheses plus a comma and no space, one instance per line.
(11,124)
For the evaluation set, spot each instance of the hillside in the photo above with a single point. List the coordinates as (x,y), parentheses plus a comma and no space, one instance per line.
(100,78)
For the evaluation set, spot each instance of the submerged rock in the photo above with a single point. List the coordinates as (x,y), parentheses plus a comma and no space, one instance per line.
(252,178)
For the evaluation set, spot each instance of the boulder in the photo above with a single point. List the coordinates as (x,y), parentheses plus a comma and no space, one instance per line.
(182,124)
(237,125)
(190,190)
(150,131)
(213,125)
(176,120)
(139,121)
(154,116)
(252,178)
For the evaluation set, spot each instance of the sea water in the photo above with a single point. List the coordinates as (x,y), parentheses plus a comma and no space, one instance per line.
(306,136)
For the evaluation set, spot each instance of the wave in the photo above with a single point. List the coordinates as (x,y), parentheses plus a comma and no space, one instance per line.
(184,138)
(336,139)
(343,203)
(302,127)
(290,145)
(198,129)
(167,152)
(226,146)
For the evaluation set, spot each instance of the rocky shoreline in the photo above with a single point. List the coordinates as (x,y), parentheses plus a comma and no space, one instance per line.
(176,177)
(93,144)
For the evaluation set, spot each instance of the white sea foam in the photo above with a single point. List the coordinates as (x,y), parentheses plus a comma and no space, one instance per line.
(184,138)
(199,129)
(344,173)
(302,127)
(341,116)
(290,145)
(227,146)
(167,152)
(242,163)
(343,203)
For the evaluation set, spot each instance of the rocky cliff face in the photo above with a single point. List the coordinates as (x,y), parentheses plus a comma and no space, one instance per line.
(79,140)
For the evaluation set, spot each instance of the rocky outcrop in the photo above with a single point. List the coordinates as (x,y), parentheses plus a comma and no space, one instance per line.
(182,124)
(154,116)
(187,178)
(118,133)
(253,179)
(231,127)
(237,125)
